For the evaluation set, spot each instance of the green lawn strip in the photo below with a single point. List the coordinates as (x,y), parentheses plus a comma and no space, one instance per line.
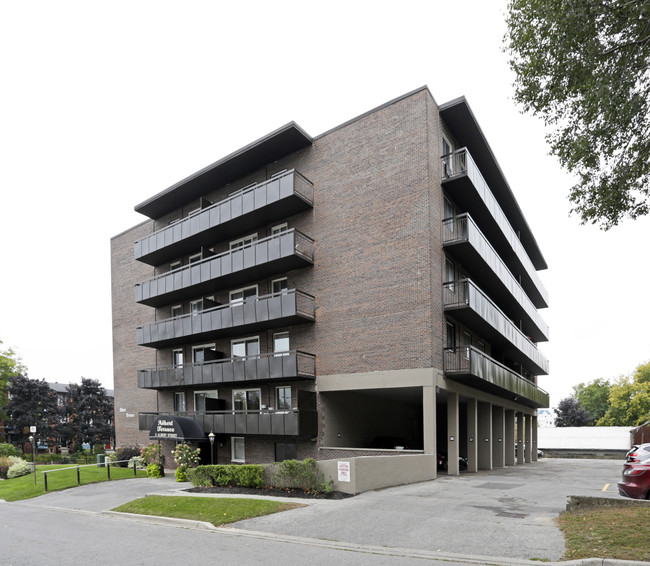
(619,533)
(23,488)
(216,510)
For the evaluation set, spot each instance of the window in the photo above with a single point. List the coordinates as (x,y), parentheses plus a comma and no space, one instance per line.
(279,229)
(280,286)
(192,212)
(449,209)
(281,344)
(451,335)
(245,347)
(203,353)
(179,401)
(176,310)
(246,399)
(204,401)
(283,398)
(196,257)
(174,265)
(240,295)
(177,357)
(196,306)
(245,241)
(286,451)
(450,274)
(447,158)
(466,342)
(238,452)
(481,346)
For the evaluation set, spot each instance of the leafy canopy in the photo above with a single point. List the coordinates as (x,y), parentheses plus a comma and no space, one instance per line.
(584,67)
(10,366)
(89,413)
(32,403)
(629,399)
(594,397)
(570,412)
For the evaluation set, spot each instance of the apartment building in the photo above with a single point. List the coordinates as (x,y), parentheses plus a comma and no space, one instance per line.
(371,291)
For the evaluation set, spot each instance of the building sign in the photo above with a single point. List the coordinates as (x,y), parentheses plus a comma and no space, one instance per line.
(344,471)
(165,427)
(168,427)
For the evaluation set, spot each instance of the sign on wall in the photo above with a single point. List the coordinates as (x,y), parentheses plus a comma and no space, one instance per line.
(344,471)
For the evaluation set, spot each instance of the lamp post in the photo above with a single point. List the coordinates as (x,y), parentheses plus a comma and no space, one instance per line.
(211,437)
(31,441)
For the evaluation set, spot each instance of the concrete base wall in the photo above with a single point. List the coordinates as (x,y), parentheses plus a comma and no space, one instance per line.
(375,472)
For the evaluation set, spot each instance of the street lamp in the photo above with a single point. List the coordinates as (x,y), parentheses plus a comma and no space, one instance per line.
(31,441)
(211,437)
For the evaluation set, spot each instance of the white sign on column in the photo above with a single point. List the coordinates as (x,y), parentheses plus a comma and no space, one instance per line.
(344,471)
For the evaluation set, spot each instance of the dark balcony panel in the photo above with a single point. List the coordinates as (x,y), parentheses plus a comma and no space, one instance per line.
(473,308)
(464,242)
(476,369)
(464,183)
(277,198)
(276,254)
(291,365)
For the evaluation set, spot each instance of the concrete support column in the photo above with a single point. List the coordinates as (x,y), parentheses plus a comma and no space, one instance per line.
(485,436)
(429,419)
(528,428)
(509,438)
(452,434)
(498,435)
(472,436)
(520,438)
(533,455)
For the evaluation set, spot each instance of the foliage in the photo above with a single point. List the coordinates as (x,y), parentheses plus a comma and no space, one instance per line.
(216,511)
(151,454)
(180,475)
(139,463)
(32,403)
(89,414)
(608,532)
(20,468)
(10,366)
(185,457)
(629,399)
(583,66)
(305,475)
(594,397)
(570,412)
(5,463)
(154,471)
(248,475)
(7,450)
(125,453)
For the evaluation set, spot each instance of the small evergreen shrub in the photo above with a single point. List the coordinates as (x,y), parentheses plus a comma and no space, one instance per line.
(7,450)
(180,475)
(248,475)
(20,468)
(304,474)
(154,471)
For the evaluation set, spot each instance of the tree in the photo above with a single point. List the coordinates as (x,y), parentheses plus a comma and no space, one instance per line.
(10,366)
(594,397)
(629,399)
(89,413)
(32,403)
(584,67)
(569,412)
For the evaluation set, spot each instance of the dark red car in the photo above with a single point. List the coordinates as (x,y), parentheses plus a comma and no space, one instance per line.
(638,452)
(636,479)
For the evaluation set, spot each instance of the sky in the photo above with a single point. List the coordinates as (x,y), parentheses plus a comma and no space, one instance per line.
(104,104)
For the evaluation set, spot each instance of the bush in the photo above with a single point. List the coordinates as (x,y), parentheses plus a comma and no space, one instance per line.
(152,454)
(20,468)
(180,474)
(138,461)
(7,450)
(125,453)
(235,476)
(185,457)
(304,474)
(154,471)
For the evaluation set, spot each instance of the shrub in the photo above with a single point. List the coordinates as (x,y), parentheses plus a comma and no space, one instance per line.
(180,474)
(20,468)
(152,454)
(125,453)
(154,471)
(305,474)
(138,461)
(244,476)
(7,450)
(185,457)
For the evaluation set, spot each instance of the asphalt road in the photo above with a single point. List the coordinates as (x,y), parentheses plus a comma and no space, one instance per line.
(470,519)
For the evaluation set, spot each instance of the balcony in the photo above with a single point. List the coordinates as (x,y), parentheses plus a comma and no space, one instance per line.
(276,254)
(464,242)
(253,315)
(472,367)
(470,306)
(261,203)
(464,183)
(301,422)
(287,366)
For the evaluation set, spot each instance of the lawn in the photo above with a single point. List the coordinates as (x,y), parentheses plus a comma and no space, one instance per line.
(607,532)
(216,510)
(24,488)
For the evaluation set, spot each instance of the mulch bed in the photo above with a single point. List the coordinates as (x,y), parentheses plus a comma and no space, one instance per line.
(275,492)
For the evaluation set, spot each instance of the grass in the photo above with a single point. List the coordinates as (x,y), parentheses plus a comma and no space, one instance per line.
(608,532)
(24,488)
(216,510)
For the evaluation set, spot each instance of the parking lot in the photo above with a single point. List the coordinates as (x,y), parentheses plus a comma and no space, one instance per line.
(507,512)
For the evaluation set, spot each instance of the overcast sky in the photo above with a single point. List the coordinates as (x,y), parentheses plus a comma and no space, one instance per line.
(104,104)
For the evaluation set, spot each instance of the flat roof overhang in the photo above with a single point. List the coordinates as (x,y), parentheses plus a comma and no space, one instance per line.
(460,118)
(283,141)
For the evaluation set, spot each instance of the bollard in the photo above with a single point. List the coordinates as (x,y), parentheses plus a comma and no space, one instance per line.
(135,469)
(78,477)
(108,470)
(45,480)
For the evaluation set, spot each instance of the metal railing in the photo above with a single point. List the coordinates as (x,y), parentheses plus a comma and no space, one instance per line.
(105,464)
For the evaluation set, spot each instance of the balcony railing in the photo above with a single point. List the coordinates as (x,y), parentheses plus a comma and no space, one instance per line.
(264,367)
(301,422)
(260,203)
(475,368)
(254,314)
(459,166)
(476,310)
(467,243)
(280,252)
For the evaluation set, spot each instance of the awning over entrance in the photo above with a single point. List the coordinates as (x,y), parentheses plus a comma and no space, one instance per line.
(168,427)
